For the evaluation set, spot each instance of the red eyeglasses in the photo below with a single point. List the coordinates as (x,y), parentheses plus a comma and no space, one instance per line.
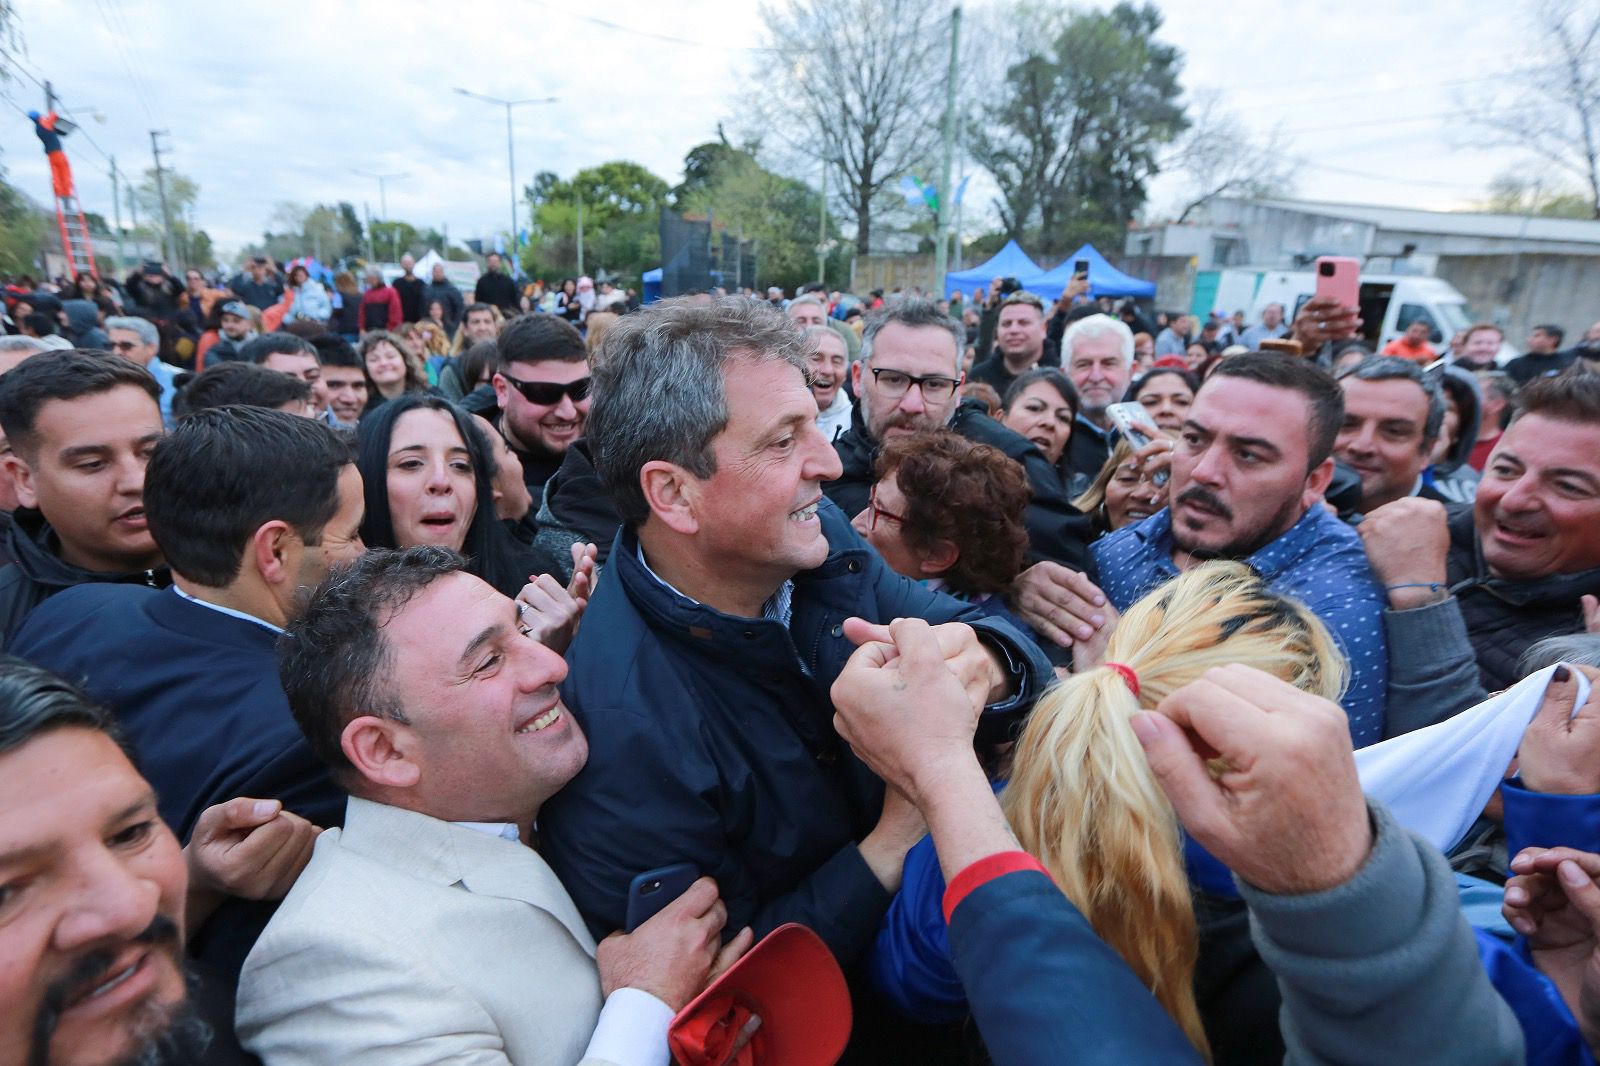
(874,512)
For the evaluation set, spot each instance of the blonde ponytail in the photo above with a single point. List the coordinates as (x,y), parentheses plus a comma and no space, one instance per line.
(1082,799)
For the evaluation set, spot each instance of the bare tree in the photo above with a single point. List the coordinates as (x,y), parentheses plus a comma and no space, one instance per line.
(1220,156)
(1552,108)
(859,85)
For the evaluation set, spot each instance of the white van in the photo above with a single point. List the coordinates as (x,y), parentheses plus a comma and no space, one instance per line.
(1389,302)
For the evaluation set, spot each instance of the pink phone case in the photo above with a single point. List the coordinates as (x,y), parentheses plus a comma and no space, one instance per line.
(1339,276)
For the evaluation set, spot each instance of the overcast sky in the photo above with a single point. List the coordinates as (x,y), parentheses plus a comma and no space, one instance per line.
(270,103)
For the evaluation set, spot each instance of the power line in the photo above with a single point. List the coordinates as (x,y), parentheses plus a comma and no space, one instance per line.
(669,39)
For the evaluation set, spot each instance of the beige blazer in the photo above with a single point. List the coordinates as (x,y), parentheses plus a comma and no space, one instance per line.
(409,940)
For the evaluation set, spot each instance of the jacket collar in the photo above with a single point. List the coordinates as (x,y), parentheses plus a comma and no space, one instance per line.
(36,552)
(213,627)
(750,643)
(448,854)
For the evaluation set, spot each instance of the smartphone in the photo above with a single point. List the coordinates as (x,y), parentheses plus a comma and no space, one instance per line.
(1339,276)
(1080,268)
(1134,423)
(654,889)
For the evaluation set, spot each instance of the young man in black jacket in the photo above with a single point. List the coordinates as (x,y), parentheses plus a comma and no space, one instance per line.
(82,426)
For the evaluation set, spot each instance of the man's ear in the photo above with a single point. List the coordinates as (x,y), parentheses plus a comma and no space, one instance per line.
(269,550)
(502,391)
(1317,483)
(672,493)
(939,558)
(13,467)
(855,377)
(381,751)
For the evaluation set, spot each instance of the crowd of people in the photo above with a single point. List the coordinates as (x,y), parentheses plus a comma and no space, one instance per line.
(391,675)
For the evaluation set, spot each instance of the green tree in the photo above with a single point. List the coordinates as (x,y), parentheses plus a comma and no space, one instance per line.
(745,199)
(1513,193)
(620,208)
(1072,133)
(22,230)
(390,240)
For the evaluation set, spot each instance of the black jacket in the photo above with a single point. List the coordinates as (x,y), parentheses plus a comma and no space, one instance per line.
(576,507)
(1505,616)
(537,467)
(37,572)
(1056,530)
(410,290)
(711,742)
(992,369)
(499,290)
(450,299)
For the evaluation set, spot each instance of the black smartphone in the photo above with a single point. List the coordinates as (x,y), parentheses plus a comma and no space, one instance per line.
(1009,286)
(654,889)
(1080,268)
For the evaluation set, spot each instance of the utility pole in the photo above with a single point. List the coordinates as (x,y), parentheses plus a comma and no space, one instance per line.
(941,246)
(366,211)
(822,229)
(580,233)
(383,206)
(511,164)
(116,215)
(166,210)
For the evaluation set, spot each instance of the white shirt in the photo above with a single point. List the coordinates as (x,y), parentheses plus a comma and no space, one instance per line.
(229,611)
(836,419)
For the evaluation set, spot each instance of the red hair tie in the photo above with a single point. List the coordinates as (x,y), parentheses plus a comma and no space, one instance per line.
(1127,675)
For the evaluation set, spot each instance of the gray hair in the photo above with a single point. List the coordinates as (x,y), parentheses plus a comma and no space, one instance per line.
(808,298)
(659,392)
(813,333)
(1393,368)
(1579,649)
(18,343)
(143,328)
(1092,326)
(913,313)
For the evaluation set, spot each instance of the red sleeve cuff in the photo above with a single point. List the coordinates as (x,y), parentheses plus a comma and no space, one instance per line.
(982,872)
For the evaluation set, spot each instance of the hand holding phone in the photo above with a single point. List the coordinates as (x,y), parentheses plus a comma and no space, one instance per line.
(1339,277)
(1134,423)
(654,889)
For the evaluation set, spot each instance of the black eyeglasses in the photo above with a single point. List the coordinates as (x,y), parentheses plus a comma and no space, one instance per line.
(549,393)
(895,383)
(123,346)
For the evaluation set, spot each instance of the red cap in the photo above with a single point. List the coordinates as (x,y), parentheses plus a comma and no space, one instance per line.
(786,998)
(1170,362)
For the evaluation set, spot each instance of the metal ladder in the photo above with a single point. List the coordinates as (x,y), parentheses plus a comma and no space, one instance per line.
(75,240)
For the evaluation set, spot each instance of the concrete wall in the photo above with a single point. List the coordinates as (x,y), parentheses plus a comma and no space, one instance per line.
(1173,275)
(1519,292)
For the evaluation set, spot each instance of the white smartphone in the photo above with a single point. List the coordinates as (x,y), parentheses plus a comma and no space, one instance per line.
(1134,423)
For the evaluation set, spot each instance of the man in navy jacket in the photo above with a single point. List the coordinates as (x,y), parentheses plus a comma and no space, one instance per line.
(701,671)
(249,507)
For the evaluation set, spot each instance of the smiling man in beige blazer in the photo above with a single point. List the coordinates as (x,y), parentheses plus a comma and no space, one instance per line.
(427,930)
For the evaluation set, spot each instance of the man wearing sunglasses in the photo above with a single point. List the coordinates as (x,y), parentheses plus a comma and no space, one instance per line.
(909,378)
(541,390)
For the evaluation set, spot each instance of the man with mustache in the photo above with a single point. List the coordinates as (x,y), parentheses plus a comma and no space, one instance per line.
(1469,589)
(908,378)
(95,891)
(1248,473)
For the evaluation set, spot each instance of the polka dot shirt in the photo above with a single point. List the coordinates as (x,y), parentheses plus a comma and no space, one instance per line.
(1319,562)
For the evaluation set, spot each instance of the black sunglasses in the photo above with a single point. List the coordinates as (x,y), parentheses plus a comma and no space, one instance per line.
(549,393)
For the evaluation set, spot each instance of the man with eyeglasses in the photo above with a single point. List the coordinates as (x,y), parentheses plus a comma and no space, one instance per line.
(908,379)
(541,392)
(137,340)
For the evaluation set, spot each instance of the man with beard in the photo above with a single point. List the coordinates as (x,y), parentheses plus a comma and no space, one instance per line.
(829,364)
(908,378)
(541,394)
(1248,473)
(1098,359)
(97,892)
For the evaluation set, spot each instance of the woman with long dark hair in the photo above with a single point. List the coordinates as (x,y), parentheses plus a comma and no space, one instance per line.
(428,473)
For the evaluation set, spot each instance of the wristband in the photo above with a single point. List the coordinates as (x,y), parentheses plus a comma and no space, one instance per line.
(1431,586)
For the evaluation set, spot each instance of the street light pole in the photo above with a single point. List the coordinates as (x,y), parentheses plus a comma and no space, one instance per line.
(383,207)
(511,157)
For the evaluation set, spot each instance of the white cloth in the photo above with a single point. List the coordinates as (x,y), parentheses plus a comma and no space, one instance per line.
(1437,780)
(836,419)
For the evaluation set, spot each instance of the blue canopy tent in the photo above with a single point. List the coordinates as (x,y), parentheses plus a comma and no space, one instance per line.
(651,279)
(1009,262)
(1104,279)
